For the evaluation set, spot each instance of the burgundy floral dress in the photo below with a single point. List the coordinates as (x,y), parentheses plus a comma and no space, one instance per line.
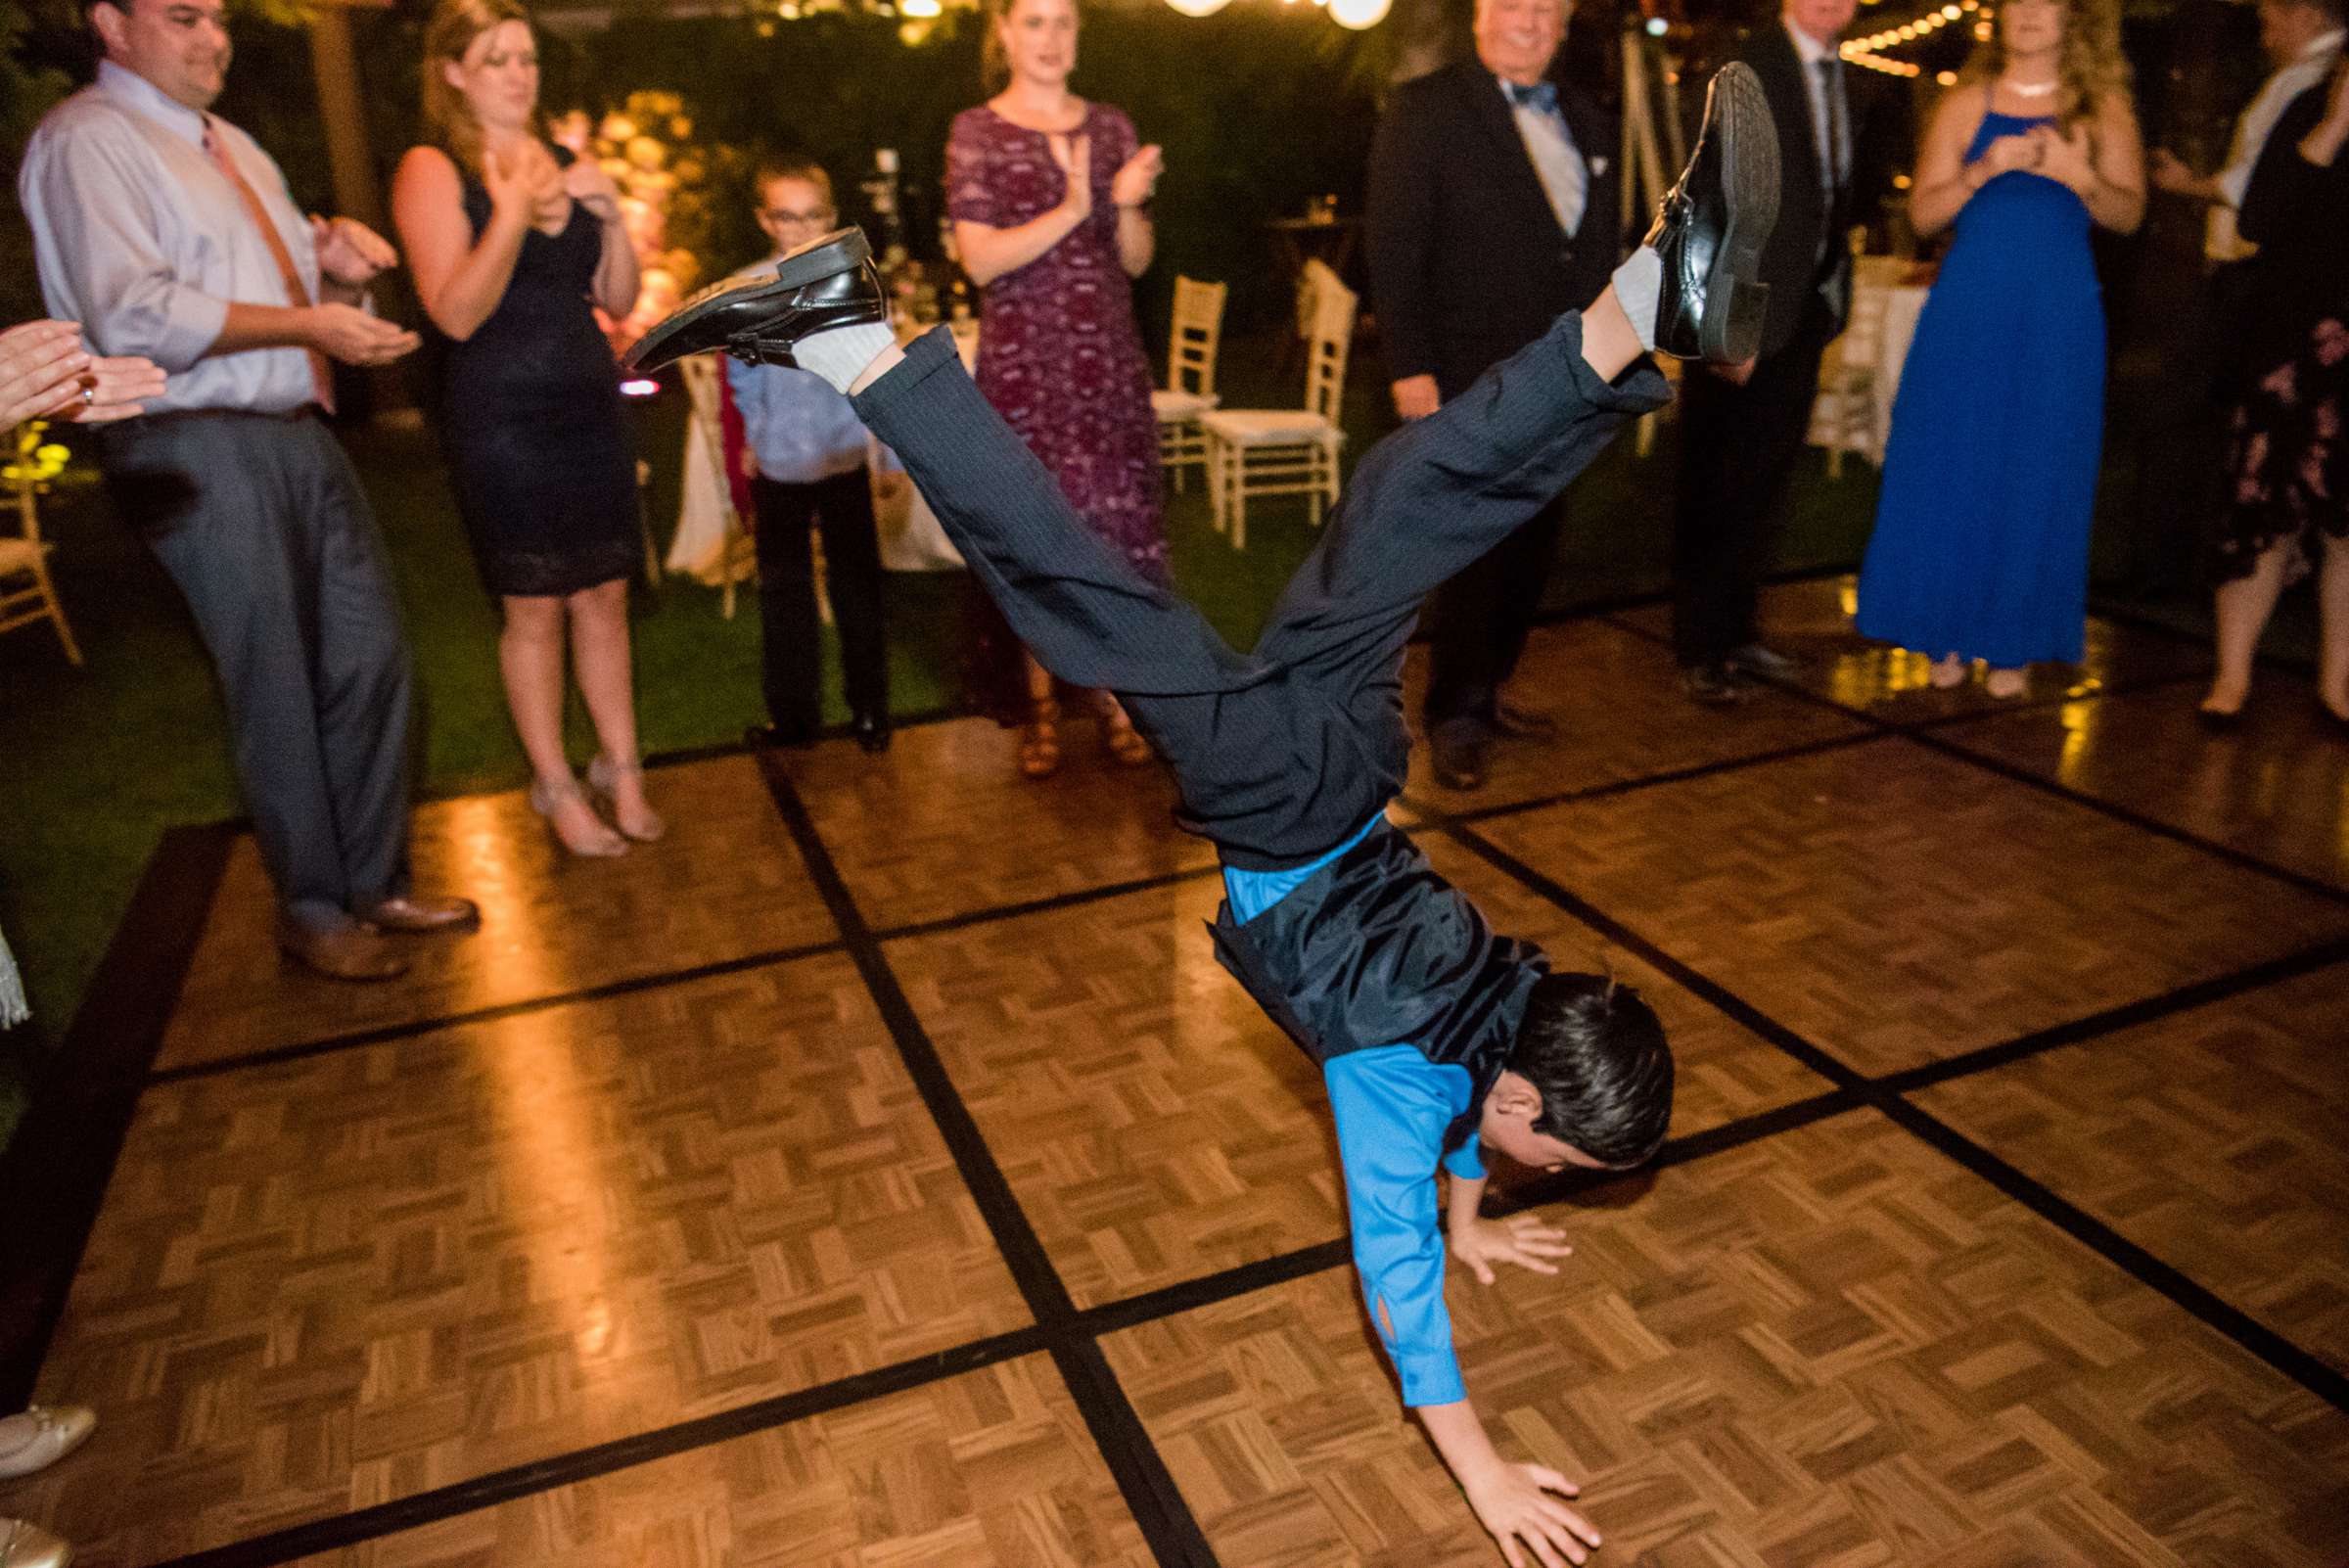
(1059,354)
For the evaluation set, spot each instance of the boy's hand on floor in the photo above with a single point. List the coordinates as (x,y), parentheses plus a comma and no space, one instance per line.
(1521,1239)
(1515,1502)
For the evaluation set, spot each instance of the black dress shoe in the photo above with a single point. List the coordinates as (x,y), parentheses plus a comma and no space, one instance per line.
(1455,756)
(1714,685)
(824,283)
(1520,723)
(1759,659)
(872,733)
(778,737)
(1713,225)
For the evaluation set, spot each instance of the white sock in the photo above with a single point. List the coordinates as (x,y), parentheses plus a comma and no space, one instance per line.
(841,354)
(1638,288)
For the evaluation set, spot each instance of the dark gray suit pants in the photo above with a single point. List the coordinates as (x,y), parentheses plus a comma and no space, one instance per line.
(261,521)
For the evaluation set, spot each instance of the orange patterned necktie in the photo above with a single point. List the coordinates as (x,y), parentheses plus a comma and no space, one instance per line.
(321,377)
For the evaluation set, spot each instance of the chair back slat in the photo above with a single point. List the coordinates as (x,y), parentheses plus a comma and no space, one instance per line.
(1326,350)
(1197,331)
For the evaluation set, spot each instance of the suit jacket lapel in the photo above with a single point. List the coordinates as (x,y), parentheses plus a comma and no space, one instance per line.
(1490,110)
(1783,80)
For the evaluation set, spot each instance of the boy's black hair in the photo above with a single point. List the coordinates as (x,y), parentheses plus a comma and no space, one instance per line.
(1597,1053)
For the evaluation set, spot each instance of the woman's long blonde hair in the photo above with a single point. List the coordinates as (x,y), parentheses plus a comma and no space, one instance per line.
(447,117)
(2090,71)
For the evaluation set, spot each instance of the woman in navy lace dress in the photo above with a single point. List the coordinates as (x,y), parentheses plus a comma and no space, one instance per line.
(514,244)
(1049,195)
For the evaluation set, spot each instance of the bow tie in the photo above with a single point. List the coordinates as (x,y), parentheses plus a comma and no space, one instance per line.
(1541,96)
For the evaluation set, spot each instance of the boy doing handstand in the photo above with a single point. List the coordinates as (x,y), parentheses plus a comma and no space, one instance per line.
(1435,1035)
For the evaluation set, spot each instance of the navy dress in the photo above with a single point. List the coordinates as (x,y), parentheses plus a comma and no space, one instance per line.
(529,418)
(1990,474)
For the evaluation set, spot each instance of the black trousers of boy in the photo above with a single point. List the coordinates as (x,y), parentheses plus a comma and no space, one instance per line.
(787,515)
(1281,752)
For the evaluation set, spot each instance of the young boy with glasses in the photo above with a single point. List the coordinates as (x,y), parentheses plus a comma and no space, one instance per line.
(805,453)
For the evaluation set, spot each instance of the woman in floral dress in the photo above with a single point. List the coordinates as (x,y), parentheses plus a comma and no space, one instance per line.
(1049,199)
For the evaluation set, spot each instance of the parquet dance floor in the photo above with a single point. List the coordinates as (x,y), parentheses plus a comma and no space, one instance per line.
(881,1171)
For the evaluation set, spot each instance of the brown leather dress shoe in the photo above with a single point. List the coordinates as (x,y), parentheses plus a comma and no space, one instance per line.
(413,913)
(353,951)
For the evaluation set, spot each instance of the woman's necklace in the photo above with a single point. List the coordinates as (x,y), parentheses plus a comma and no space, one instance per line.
(2029,89)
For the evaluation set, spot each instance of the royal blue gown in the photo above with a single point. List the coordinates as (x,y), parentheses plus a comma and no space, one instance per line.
(1990,474)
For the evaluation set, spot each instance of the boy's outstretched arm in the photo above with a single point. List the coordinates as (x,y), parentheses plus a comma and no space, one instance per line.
(1391,1112)
(1518,1503)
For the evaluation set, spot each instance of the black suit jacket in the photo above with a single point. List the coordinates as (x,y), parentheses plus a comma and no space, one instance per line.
(1791,263)
(1467,261)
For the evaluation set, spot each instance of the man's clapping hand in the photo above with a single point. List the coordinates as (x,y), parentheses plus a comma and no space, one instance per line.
(348,334)
(350,252)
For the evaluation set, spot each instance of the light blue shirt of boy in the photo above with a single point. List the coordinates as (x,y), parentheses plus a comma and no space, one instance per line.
(798,428)
(1392,1106)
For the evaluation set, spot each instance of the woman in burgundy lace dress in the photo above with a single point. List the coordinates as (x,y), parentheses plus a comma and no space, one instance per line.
(1048,195)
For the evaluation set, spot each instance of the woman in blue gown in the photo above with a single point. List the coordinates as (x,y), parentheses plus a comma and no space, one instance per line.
(1981,542)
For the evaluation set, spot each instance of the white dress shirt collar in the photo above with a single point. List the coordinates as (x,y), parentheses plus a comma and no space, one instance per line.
(134,91)
(1807,49)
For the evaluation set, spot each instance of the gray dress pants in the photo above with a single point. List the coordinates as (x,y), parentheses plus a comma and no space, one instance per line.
(261,521)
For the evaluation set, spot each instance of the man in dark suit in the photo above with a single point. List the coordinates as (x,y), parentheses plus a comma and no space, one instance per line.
(1493,208)
(1742,426)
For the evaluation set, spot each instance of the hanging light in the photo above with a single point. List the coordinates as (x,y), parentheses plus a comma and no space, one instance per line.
(1198,8)
(1358,14)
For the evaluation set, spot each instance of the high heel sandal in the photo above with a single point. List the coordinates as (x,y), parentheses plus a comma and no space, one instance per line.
(550,796)
(1040,740)
(604,776)
(1126,744)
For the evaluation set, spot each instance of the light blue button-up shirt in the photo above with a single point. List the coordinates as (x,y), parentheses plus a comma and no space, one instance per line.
(141,240)
(1392,1106)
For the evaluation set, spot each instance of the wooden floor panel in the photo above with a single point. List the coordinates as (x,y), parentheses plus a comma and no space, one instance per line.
(1157,1127)
(1617,702)
(727,883)
(992,1469)
(2214,1140)
(355,1277)
(2278,788)
(1832,1347)
(1153,1123)
(1898,907)
(942,826)
(1812,619)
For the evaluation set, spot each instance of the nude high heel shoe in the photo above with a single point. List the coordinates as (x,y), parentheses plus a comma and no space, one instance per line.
(604,776)
(550,796)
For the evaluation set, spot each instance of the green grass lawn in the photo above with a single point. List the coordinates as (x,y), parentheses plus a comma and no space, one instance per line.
(98,761)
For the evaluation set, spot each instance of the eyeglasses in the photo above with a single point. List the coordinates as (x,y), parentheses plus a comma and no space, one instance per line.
(784,217)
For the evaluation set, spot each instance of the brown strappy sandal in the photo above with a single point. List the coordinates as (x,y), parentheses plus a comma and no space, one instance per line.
(1040,740)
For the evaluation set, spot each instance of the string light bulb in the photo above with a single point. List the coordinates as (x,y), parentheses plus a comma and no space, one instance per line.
(1358,14)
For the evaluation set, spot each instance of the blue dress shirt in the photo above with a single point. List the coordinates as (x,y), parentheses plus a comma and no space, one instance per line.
(1392,1106)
